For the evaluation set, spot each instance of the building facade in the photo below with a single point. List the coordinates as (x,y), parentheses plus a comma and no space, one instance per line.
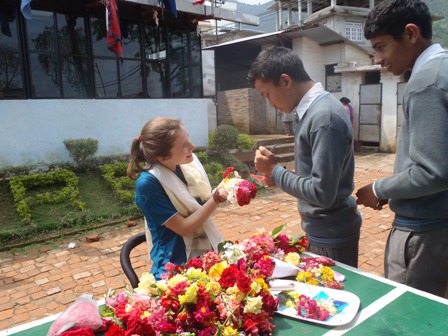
(59,79)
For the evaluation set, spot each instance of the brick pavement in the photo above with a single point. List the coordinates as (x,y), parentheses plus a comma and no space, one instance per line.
(38,281)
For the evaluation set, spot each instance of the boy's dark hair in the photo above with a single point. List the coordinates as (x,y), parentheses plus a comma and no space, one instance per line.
(390,17)
(272,62)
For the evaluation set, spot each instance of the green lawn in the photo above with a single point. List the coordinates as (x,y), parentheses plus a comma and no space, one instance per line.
(101,206)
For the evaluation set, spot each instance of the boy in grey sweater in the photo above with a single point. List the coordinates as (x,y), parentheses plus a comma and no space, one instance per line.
(324,156)
(400,32)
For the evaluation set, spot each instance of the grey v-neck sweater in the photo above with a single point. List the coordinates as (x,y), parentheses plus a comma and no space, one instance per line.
(324,171)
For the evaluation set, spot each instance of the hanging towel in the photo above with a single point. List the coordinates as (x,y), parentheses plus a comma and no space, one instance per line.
(184,200)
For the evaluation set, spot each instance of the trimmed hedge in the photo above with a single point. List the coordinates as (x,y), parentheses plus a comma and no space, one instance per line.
(21,184)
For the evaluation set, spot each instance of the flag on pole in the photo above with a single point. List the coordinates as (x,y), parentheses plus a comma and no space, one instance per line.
(171,6)
(25,7)
(113,28)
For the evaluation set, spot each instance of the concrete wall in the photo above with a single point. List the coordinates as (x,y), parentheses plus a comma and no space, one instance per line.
(34,130)
(312,56)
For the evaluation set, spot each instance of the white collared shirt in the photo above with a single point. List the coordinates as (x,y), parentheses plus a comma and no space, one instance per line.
(308,99)
(433,51)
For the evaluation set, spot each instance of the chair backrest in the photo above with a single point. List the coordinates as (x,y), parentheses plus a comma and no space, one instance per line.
(125,257)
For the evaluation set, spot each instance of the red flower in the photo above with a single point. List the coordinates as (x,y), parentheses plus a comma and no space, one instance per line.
(166,328)
(210,331)
(229,276)
(270,303)
(228,171)
(121,313)
(246,191)
(195,263)
(243,282)
(138,326)
(115,330)
(282,242)
(204,315)
(79,332)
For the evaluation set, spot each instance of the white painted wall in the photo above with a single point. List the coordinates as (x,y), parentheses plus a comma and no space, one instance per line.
(34,130)
(389,112)
(312,56)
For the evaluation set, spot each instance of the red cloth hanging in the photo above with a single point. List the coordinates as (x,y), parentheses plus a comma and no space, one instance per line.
(113,28)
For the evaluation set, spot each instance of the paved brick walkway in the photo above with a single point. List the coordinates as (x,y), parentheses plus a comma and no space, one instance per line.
(43,280)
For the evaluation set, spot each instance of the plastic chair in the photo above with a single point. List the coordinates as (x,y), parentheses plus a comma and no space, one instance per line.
(125,257)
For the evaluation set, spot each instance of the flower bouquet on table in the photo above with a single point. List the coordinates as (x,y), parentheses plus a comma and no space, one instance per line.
(225,293)
(238,190)
(217,294)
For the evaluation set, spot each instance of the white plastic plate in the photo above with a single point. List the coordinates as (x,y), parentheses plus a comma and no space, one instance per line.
(341,318)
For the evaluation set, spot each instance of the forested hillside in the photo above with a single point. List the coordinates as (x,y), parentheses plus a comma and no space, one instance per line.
(440,8)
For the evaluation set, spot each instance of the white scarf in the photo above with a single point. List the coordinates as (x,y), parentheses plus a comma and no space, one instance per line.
(184,200)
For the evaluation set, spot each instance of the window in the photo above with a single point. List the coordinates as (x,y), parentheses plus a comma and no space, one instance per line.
(58,59)
(11,62)
(66,56)
(354,31)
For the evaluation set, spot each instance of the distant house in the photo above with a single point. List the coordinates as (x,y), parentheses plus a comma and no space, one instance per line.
(59,80)
(328,36)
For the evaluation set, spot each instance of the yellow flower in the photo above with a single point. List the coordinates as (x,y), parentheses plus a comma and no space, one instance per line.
(146,284)
(303,276)
(145,314)
(161,285)
(327,273)
(253,305)
(229,331)
(178,278)
(313,282)
(217,269)
(195,274)
(263,285)
(190,295)
(255,288)
(235,294)
(213,288)
(292,258)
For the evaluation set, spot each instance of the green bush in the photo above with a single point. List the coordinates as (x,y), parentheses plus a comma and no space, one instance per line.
(245,141)
(224,137)
(228,160)
(82,151)
(115,175)
(214,172)
(21,184)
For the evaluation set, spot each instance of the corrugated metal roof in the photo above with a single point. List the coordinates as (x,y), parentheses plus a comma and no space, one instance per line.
(318,33)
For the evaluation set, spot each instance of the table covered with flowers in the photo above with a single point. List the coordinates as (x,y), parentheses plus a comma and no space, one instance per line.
(264,285)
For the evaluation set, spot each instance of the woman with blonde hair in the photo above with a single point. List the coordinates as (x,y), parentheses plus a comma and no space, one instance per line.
(174,193)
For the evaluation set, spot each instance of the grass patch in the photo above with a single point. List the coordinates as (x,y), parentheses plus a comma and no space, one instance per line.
(101,206)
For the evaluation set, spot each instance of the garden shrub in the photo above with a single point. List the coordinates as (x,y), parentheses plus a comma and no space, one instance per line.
(82,151)
(245,141)
(21,184)
(115,175)
(225,137)
(214,172)
(228,160)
